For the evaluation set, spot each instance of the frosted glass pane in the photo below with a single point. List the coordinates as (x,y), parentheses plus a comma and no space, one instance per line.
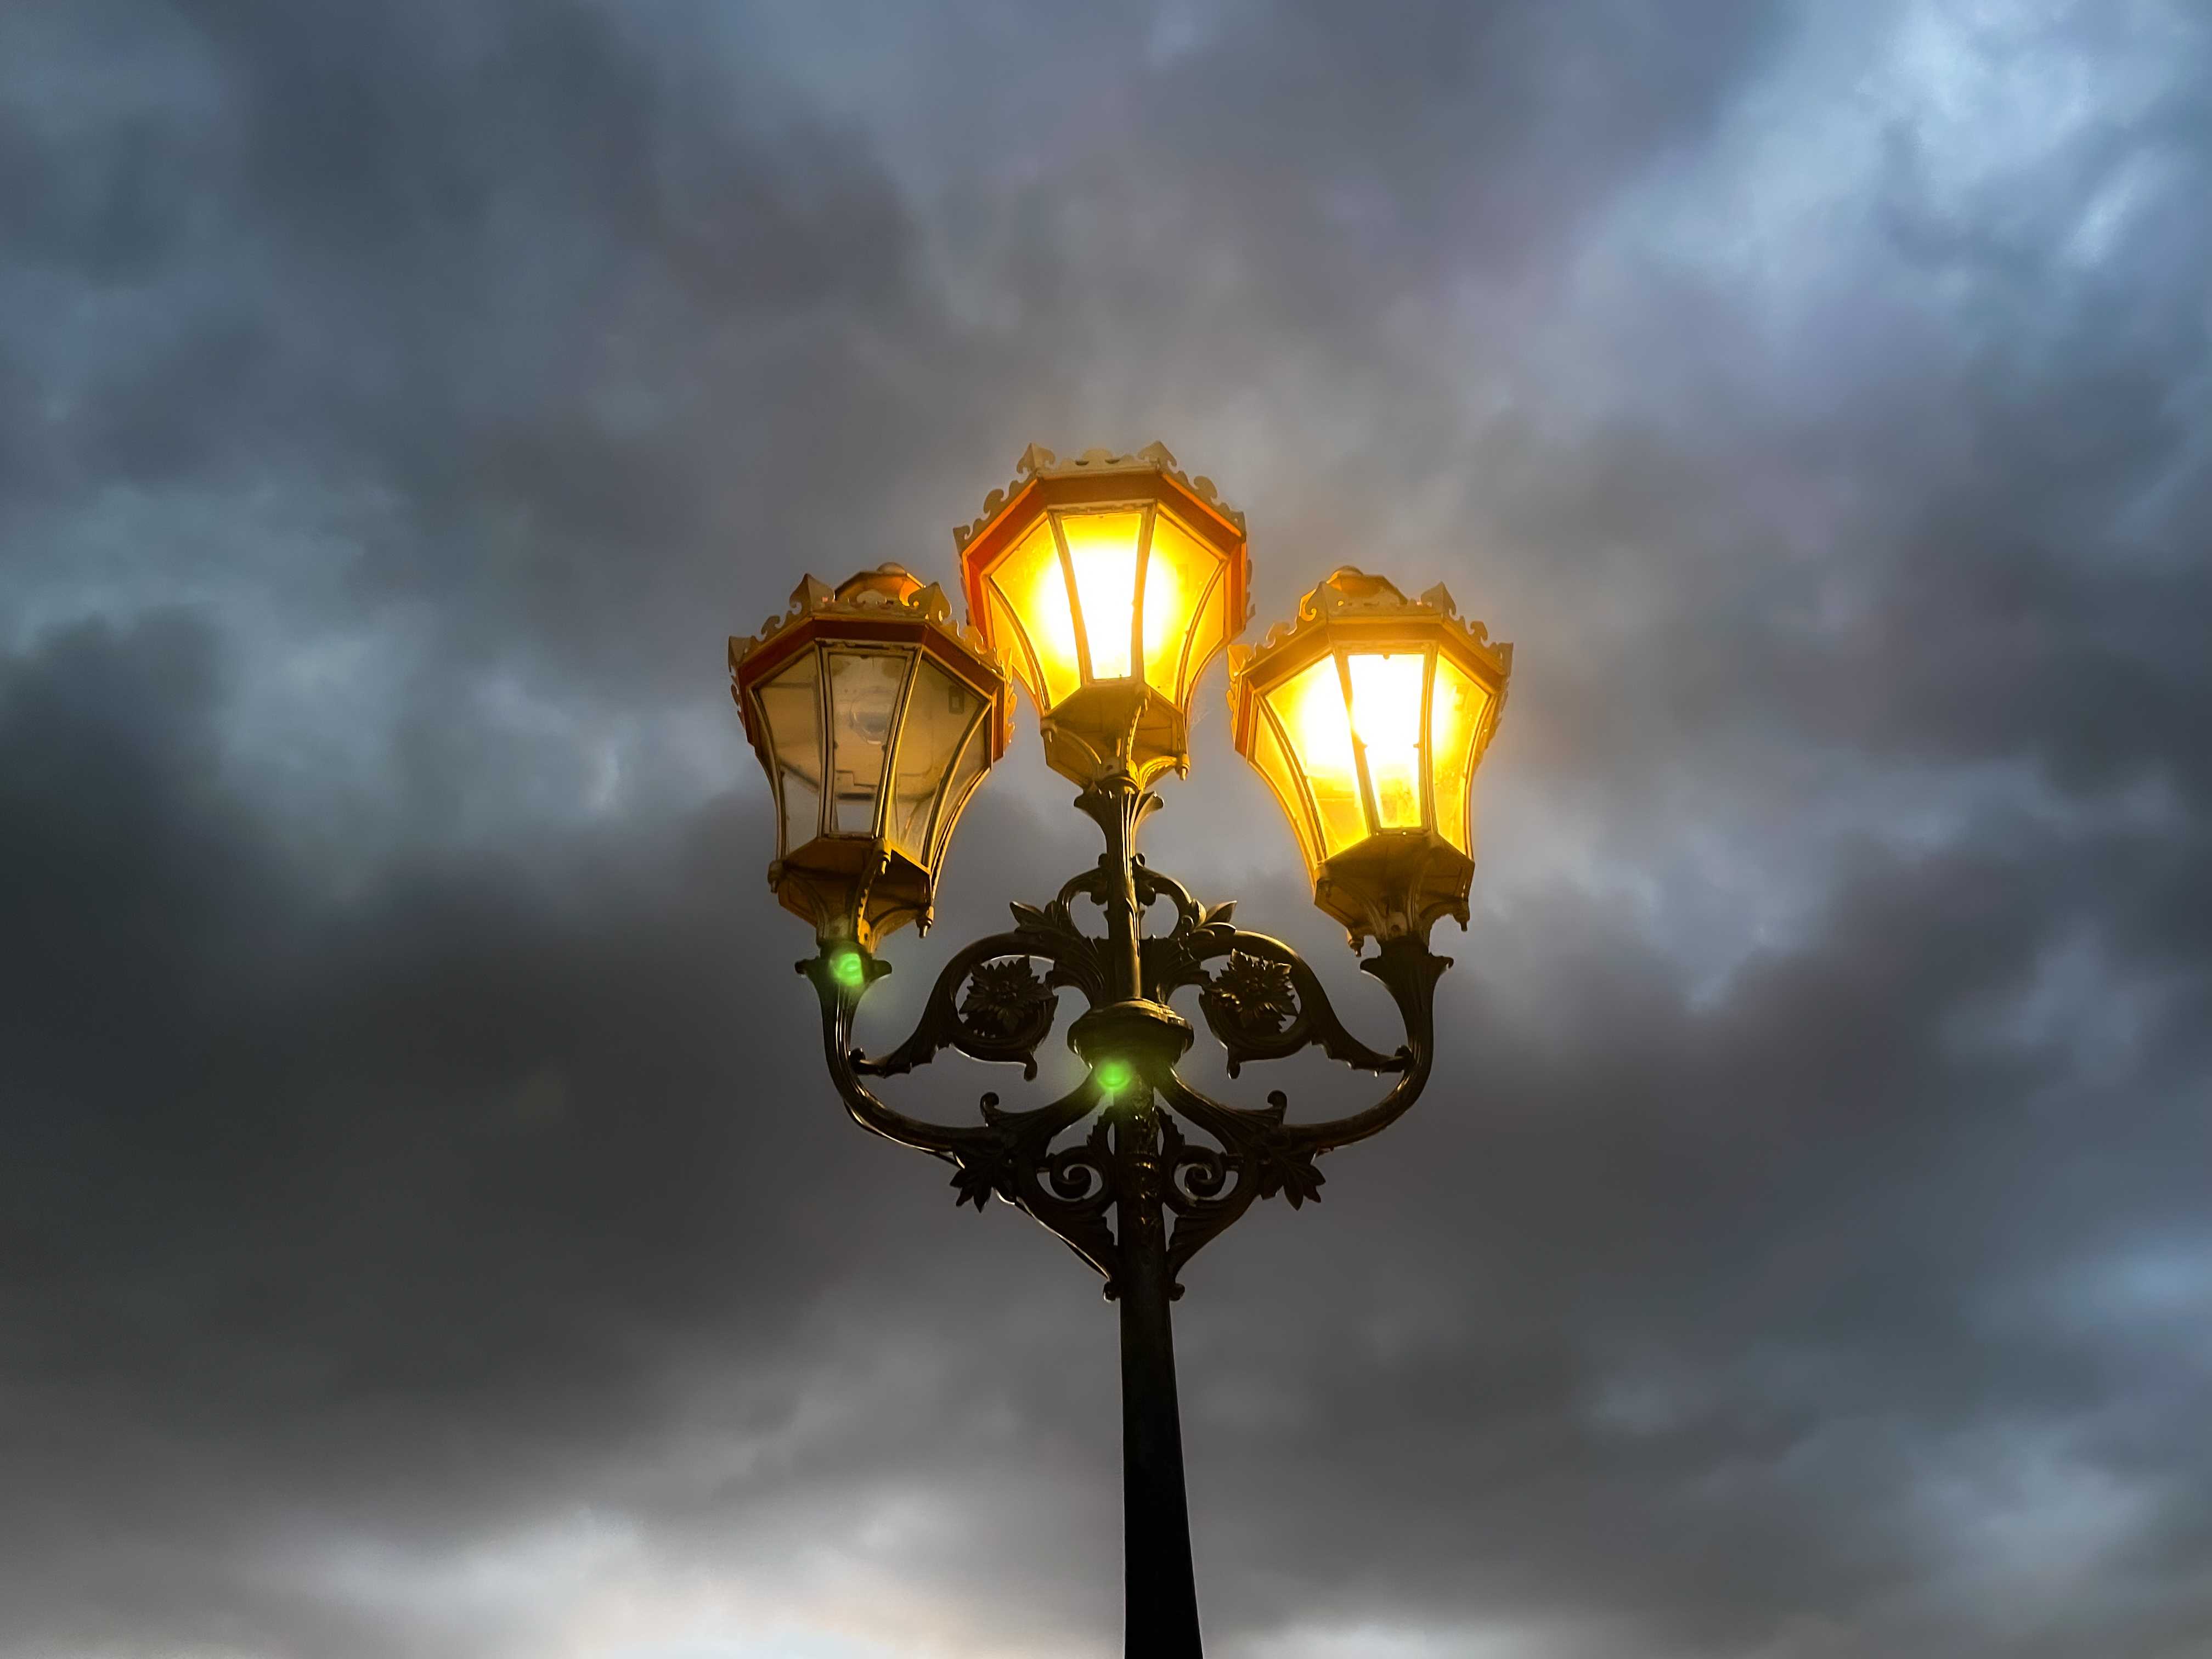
(790,707)
(1003,631)
(1311,706)
(939,712)
(1455,715)
(1274,766)
(1385,716)
(1034,589)
(975,760)
(1210,633)
(864,688)
(1102,551)
(1175,577)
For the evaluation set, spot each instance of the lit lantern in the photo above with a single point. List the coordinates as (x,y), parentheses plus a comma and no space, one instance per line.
(1110,583)
(875,719)
(1368,717)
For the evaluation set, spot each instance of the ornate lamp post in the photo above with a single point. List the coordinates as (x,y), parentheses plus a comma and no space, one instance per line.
(1108,583)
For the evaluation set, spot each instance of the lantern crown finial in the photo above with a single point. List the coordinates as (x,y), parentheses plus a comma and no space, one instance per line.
(1349,588)
(887,584)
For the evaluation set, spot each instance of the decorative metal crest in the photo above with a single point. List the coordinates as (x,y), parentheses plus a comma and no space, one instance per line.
(1161,1142)
(889,590)
(1351,593)
(1038,462)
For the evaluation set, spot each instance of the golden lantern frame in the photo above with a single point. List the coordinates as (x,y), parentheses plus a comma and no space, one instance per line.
(1390,878)
(858,885)
(1095,723)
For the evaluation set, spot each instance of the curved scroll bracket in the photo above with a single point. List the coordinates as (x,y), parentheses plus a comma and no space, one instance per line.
(1265,1002)
(1007,1010)
(1262,1002)
(1009,1155)
(1259,1152)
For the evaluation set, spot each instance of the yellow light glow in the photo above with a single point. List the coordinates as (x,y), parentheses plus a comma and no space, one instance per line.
(1455,714)
(1033,588)
(1275,766)
(1367,716)
(1386,714)
(1211,633)
(1144,587)
(1176,577)
(1102,555)
(1311,706)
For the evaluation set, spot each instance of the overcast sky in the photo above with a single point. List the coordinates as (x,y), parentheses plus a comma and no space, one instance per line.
(425,1230)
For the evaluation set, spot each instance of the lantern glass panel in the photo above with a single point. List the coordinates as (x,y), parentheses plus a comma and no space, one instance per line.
(1006,634)
(1311,706)
(1209,633)
(1178,572)
(864,688)
(1268,754)
(1101,556)
(790,710)
(940,709)
(1457,705)
(1386,716)
(967,772)
(1032,591)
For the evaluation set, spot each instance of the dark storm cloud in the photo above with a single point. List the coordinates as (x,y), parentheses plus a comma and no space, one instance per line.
(425,1229)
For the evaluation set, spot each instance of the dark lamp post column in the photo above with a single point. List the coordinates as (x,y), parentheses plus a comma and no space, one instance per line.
(1161,1589)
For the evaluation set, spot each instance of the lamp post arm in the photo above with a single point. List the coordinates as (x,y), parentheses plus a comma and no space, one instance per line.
(1409,972)
(1008,1010)
(1009,1155)
(1261,1154)
(1266,1003)
(1263,1002)
(839,1001)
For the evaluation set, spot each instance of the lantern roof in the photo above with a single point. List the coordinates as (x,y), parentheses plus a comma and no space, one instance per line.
(1350,596)
(1039,465)
(889,591)
(889,604)
(1135,715)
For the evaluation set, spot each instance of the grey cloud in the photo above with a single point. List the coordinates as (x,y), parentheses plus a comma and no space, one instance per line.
(431,1251)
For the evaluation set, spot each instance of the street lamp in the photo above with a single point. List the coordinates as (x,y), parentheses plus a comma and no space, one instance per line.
(1107,584)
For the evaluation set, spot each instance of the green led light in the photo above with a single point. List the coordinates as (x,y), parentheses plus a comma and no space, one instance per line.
(848,968)
(1114,1075)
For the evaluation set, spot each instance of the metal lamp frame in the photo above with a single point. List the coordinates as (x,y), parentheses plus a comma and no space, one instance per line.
(1135,1169)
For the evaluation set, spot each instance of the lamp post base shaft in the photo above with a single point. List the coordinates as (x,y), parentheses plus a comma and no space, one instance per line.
(1162,1618)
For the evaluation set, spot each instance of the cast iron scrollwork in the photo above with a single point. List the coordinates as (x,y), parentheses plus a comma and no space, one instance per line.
(1007,1011)
(1266,1002)
(1154,1142)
